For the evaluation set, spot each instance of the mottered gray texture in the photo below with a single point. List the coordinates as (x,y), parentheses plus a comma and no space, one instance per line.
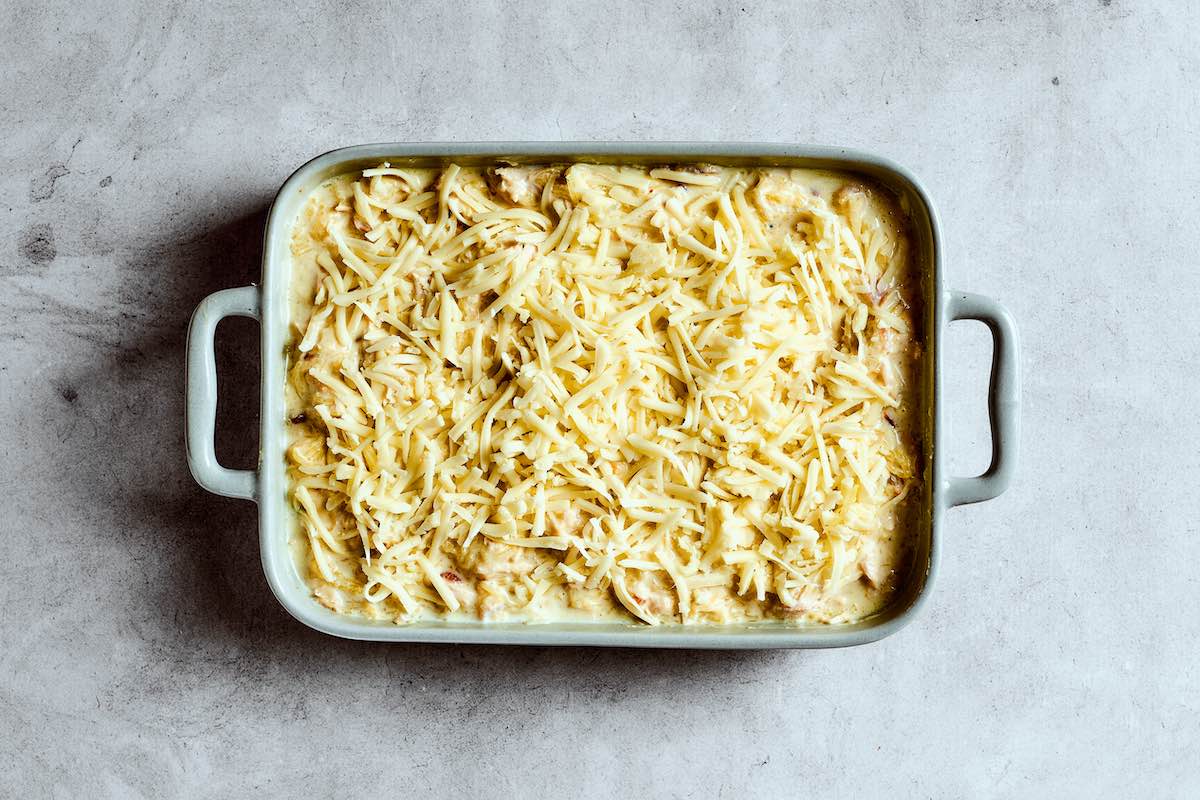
(141,654)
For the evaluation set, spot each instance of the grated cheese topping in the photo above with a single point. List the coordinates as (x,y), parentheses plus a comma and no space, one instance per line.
(669,395)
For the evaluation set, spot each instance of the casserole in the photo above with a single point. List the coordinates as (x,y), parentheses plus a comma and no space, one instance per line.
(268,485)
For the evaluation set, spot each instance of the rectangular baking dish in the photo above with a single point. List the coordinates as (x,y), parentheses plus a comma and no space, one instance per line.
(268,484)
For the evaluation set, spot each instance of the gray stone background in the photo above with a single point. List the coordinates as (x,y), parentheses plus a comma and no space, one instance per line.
(141,654)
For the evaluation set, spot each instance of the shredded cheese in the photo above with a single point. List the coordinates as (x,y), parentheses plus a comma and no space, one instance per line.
(672,395)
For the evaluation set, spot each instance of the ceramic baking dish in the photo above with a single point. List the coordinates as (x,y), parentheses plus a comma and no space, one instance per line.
(268,484)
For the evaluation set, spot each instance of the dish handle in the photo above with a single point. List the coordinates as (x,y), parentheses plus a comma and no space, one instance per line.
(200,402)
(1004,398)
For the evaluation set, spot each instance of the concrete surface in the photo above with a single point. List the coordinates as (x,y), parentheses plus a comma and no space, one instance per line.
(141,654)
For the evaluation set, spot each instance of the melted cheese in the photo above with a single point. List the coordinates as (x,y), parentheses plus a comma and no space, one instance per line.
(675,395)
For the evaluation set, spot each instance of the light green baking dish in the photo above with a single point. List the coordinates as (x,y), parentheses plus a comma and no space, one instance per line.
(268,484)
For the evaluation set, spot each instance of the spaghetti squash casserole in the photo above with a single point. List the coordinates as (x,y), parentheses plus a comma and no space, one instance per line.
(664,395)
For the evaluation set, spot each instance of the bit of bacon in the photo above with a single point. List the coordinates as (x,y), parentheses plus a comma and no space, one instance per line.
(697,169)
(451,577)
(879,295)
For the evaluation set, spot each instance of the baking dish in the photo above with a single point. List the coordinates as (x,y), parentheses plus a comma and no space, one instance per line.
(268,484)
